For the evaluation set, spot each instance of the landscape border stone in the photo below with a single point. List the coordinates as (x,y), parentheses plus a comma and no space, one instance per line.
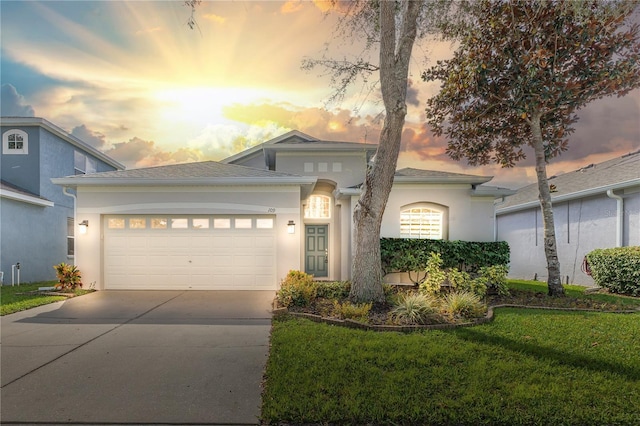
(489,316)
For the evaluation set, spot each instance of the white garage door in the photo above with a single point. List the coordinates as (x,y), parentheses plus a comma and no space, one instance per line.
(157,252)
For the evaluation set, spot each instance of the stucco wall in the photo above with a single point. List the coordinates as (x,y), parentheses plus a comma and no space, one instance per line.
(93,203)
(32,235)
(581,226)
(23,170)
(470,218)
(352,166)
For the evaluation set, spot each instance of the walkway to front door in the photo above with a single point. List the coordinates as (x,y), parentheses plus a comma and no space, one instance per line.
(316,250)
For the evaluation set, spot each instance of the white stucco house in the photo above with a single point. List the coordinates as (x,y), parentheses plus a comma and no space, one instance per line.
(596,206)
(244,222)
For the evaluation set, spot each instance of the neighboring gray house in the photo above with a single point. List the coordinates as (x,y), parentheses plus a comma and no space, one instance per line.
(597,206)
(37,220)
(243,223)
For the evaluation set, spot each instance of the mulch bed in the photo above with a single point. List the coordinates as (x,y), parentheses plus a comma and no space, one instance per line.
(322,310)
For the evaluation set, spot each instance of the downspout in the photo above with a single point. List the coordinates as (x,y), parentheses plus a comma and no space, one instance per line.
(619,215)
(75,215)
(495,217)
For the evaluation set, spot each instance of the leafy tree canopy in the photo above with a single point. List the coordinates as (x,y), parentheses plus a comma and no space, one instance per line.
(524,60)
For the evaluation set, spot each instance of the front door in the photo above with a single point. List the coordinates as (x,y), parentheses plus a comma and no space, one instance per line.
(316,250)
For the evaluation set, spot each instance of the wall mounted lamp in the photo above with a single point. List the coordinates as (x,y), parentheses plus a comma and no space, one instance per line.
(291,227)
(83,226)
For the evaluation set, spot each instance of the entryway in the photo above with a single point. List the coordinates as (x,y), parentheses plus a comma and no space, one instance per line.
(316,250)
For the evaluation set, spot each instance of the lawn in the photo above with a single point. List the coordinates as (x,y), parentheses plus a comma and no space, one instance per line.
(12,300)
(528,366)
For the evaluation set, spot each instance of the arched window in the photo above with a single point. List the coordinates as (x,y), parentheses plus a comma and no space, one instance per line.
(318,207)
(15,141)
(423,220)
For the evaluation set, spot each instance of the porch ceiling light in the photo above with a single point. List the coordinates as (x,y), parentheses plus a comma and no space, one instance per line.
(291,227)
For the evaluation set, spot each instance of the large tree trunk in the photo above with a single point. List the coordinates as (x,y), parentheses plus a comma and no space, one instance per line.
(554,282)
(395,53)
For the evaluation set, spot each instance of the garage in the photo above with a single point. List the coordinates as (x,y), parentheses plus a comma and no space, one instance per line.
(189,252)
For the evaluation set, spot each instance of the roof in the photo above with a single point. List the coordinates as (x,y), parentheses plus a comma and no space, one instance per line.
(433,176)
(13,192)
(41,122)
(298,141)
(618,173)
(411,175)
(201,173)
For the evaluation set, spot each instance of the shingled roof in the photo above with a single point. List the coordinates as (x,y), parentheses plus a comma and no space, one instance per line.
(617,173)
(206,172)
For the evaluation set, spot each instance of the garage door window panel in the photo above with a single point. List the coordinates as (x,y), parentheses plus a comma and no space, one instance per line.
(179,223)
(243,223)
(159,223)
(200,223)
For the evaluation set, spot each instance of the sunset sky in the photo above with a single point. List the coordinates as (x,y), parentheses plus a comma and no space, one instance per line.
(133,80)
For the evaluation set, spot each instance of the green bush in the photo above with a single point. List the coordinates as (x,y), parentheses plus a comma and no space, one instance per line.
(435,275)
(69,277)
(297,289)
(462,304)
(407,255)
(333,289)
(415,308)
(495,278)
(616,269)
(348,310)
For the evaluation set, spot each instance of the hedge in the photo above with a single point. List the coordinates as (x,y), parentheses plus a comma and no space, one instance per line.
(616,269)
(406,255)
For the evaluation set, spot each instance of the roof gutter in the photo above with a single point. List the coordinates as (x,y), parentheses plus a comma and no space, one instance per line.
(25,198)
(226,181)
(571,196)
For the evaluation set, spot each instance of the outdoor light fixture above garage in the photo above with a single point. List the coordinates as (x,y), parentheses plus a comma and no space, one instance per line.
(291,227)
(83,226)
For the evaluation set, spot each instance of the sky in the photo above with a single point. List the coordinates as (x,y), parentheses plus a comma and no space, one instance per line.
(133,80)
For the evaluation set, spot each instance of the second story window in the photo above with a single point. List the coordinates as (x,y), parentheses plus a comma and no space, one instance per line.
(318,207)
(83,164)
(15,142)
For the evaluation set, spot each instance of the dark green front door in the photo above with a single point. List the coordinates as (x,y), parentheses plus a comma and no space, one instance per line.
(316,250)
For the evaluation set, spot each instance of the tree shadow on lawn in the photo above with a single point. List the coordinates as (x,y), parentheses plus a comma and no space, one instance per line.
(475,335)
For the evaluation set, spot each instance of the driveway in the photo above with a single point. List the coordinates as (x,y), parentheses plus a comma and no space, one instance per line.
(137,357)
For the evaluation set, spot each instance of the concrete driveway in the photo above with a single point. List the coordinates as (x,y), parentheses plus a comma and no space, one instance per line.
(137,357)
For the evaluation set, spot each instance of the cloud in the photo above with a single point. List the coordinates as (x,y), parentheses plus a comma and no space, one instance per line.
(95,139)
(214,18)
(291,6)
(13,103)
(137,153)
(148,31)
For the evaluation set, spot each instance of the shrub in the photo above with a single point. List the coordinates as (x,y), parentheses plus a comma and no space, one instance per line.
(463,304)
(435,275)
(461,280)
(348,310)
(495,278)
(297,289)
(333,289)
(415,308)
(408,254)
(617,269)
(69,277)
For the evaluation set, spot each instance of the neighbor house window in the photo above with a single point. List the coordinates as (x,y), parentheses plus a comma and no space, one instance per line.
(318,207)
(70,236)
(15,142)
(83,164)
(423,221)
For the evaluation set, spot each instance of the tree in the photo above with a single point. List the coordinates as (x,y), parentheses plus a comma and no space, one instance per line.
(394,25)
(520,74)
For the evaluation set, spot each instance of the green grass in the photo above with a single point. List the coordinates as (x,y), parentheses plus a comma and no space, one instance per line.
(11,301)
(575,291)
(526,367)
